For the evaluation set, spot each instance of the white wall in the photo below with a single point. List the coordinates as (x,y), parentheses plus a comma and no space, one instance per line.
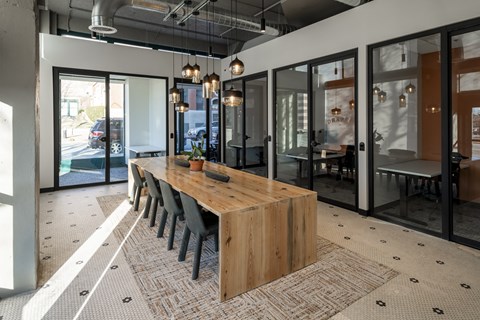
(82,54)
(157,113)
(370,23)
(137,111)
(18,146)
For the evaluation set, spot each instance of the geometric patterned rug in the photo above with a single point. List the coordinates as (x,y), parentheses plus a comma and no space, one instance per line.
(319,291)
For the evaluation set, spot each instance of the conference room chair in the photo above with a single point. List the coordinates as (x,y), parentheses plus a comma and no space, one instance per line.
(172,206)
(154,194)
(138,184)
(201,224)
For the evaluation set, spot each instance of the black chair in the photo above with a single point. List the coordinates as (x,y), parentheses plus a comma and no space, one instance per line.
(201,224)
(347,162)
(138,184)
(172,205)
(154,194)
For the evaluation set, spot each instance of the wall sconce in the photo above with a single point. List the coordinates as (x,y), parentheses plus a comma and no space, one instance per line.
(433,109)
(402,101)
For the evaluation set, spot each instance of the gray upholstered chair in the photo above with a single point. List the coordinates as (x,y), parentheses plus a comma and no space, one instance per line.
(202,224)
(173,206)
(154,194)
(138,184)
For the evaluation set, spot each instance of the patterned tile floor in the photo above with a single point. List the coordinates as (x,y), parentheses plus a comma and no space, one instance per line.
(84,276)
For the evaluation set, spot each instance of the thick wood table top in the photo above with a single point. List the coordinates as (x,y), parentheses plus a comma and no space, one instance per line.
(244,190)
(267,228)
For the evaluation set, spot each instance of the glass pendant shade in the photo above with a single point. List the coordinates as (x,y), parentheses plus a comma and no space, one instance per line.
(197,75)
(402,101)
(187,71)
(232,97)
(215,80)
(182,107)
(336,111)
(410,88)
(174,95)
(376,90)
(236,67)
(206,87)
(382,96)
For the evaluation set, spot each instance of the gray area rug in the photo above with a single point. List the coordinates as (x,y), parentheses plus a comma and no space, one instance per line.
(335,281)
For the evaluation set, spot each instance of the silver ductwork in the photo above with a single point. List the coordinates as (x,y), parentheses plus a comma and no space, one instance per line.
(104,10)
(352,3)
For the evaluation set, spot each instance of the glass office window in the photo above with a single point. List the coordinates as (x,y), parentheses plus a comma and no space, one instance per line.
(292,125)
(465,157)
(191,125)
(406,109)
(234,131)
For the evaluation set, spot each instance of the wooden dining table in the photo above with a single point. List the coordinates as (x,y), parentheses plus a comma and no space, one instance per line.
(267,229)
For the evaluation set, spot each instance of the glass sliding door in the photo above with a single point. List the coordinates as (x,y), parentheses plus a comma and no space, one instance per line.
(234,131)
(292,123)
(191,126)
(465,152)
(118,164)
(333,131)
(406,133)
(83,129)
(256,134)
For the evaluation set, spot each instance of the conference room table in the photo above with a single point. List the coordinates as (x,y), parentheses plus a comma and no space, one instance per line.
(317,160)
(406,171)
(267,229)
(146,149)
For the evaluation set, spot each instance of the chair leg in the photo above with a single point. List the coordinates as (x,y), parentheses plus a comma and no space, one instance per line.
(185,240)
(134,191)
(216,241)
(137,199)
(196,260)
(172,232)
(146,210)
(163,221)
(154,212)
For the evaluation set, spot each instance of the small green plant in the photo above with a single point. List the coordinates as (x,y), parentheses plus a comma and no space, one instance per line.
(197,153)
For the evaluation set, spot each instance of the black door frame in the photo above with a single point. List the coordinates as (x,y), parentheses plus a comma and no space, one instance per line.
(56,114)
(352,53)
(446,32)
(226,83)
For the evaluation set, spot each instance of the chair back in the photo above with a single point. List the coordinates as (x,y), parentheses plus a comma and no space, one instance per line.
(153,188)
(136,175)
(168,198)
(193,216)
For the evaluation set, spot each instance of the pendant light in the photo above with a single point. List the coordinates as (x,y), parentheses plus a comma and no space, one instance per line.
(382,96)
(207,85)
(236,66)
(376,90)
(174,93)
(402,101)
(182,106)
(197,75)
(410,88)
(187,70)
(432,109)
(336,110)
(214,78)
(262,21)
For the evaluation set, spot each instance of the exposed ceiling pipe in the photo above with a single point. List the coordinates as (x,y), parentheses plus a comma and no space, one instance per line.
(104,10)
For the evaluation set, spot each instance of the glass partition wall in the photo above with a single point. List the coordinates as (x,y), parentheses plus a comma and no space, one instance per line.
(246,134)
(406,104)
(316,128)
(425,133)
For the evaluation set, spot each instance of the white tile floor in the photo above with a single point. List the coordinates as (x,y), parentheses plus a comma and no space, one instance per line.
(438,279)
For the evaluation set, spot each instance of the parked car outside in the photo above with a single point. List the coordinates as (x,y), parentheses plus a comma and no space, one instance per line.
(97,135)
(198,132)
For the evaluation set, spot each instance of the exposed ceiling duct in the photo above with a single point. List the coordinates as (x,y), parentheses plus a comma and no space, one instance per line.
(352,3)
(104,11)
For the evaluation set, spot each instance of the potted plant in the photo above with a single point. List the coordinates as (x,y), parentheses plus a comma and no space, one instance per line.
(196,155)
